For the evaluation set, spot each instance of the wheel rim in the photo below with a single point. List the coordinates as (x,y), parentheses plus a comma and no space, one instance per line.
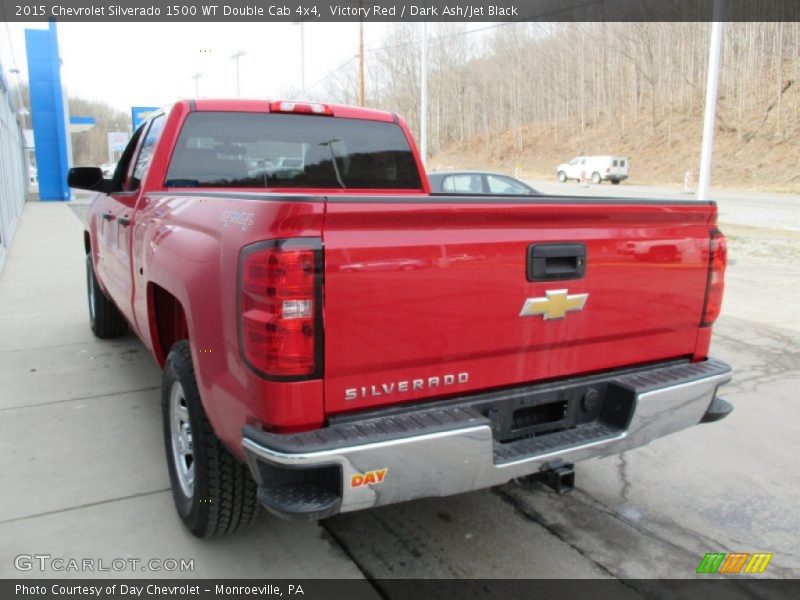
(181,434)
(90,288)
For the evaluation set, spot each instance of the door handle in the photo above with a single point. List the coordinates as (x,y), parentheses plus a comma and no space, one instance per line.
(124,221)
(553,262)
(107,216)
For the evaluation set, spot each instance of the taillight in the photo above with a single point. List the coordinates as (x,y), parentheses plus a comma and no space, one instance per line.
(715,285)
(312,108)
(280,290)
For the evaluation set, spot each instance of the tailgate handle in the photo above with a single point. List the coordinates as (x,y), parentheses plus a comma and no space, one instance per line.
(552,262)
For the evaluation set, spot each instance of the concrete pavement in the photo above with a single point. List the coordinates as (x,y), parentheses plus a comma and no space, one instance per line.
(82,460)
(83,466)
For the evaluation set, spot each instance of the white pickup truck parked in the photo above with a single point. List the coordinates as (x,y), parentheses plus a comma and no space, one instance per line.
(594,168)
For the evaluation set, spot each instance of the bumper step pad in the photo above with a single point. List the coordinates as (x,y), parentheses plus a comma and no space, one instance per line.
(584,434)
(368,431)
(719,409)
(302,499)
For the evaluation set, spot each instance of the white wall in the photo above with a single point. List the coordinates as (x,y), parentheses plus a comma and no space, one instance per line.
(13,172)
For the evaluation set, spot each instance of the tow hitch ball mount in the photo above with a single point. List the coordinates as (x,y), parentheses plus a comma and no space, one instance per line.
(559,476)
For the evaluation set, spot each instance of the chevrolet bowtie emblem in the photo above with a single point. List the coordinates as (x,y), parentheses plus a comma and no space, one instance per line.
(555,305)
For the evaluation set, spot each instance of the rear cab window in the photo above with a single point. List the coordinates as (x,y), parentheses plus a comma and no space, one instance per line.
(269,150)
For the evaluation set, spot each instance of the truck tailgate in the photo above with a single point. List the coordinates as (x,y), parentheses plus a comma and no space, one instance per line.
(423,295)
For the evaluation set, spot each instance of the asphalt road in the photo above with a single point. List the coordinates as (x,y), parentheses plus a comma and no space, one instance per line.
(756,209)
(84,476)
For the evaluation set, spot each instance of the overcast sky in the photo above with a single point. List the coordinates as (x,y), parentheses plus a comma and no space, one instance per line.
(152,64)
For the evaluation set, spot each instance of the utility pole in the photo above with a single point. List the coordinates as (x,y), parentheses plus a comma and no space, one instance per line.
(236,56)
(423,101)
(302,57)
(196,76)
(712,84)
(360,58)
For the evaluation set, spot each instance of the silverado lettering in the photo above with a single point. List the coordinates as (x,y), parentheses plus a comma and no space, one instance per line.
(404,386)
(316,310)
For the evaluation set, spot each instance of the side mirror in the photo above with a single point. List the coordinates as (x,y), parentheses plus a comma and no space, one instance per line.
(88,178)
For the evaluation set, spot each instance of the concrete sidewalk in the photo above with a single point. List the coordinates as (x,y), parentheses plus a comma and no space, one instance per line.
(82,458)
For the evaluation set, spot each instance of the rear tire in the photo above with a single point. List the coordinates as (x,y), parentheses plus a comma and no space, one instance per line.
(562,177)
(104,317)
(596,178)
(615,181)
(213,491)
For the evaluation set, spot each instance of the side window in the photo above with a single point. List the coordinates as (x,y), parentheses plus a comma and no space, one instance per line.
(504,185)
(464,184)
(146,151)
(582,162)
(125,159)
(622,163)
(616,163)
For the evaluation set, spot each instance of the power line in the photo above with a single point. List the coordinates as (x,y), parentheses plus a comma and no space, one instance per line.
(541,17)
(328,74)
(440,37)
(404,44)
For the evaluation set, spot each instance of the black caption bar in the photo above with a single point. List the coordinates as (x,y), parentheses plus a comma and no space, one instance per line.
(395,10)
(397,589)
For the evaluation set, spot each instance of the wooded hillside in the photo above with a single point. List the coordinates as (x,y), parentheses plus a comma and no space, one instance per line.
(529,95)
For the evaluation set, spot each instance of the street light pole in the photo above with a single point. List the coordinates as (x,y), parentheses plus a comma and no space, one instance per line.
(196,76)
(236,56)
(302,57)
(423,101)
(712,84)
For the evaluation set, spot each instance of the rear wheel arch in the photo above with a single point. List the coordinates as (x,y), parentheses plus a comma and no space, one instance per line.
(167,321)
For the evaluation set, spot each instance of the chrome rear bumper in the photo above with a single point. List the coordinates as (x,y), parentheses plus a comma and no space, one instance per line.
(443,451)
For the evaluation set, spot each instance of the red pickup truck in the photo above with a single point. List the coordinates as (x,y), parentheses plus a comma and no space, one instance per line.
(335,337)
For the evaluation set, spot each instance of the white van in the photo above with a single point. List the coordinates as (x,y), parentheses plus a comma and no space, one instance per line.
(594,168)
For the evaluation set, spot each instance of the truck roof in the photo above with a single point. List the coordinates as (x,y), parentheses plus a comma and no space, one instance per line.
(251,105)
